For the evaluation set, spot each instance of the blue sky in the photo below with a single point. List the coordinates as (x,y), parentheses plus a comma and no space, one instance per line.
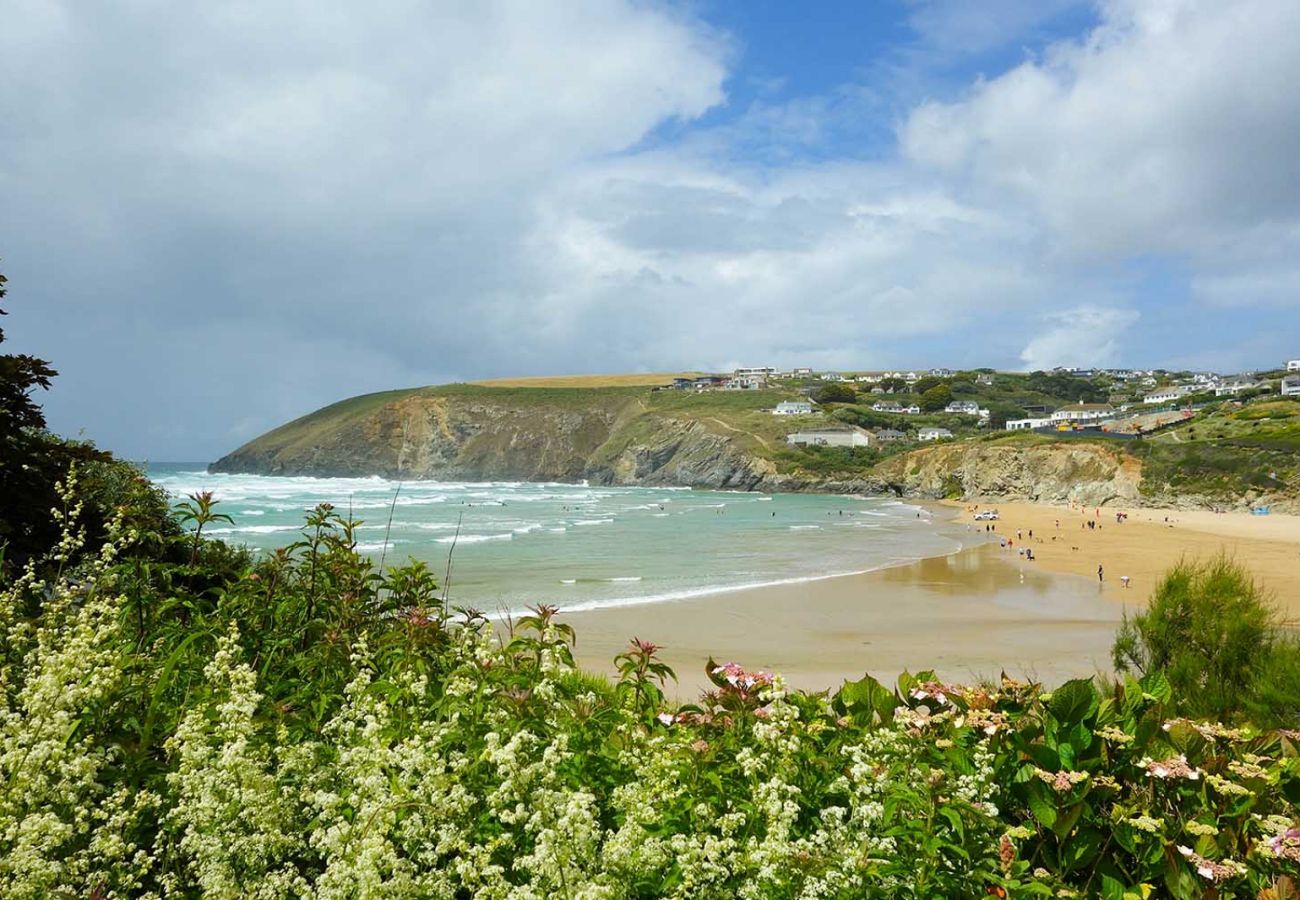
(252,214)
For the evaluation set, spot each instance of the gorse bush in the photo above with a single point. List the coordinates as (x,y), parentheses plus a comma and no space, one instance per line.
(1212,633)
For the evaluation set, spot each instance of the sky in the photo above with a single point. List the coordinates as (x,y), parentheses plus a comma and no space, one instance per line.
(217,217)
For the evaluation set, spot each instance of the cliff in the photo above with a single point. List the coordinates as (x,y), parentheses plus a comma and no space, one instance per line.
(610,436)
(629,435)
(1091,474)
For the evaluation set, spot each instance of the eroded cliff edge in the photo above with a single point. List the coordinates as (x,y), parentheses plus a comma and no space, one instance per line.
(623,438)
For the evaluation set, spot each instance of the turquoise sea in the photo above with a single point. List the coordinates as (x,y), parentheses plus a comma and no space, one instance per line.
(577,545)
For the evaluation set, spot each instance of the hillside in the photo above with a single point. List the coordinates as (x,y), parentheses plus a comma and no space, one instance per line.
(607,435)
(618,431)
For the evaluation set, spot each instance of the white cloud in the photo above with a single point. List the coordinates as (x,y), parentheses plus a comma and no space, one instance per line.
(248,212)
(1084,336)
(1167,128)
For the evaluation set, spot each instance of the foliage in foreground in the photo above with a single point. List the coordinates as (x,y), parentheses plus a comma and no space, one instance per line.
(1211,631)
(306,726)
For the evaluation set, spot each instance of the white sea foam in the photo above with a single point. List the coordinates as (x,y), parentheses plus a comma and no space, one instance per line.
(475,538)
(625,578)
(804,527)
(594,522)
(253,529)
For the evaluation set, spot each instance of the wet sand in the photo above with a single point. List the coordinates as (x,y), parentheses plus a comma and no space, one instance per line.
(1149,543)
(968,615)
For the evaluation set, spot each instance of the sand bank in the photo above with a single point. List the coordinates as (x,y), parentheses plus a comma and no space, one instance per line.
(966,615)
(1148,543)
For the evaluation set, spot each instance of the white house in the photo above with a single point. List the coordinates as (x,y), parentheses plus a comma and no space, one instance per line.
(1293,365)
(1083,412)
(1027,424)
(746,383)
(893,406)
(1291,386)
(764,371)
(793,408)
(933,434)
(832,376)
(941,373)
(850,436)
(984,378)
(1171,394)
(889,434)
(1236,384)
(802,372)
(964,407)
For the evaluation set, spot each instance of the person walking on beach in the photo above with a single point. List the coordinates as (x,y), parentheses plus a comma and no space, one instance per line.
(1100,577)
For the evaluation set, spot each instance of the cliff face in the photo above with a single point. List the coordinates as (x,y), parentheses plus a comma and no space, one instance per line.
(619,438)
(1048,473)
(422,436)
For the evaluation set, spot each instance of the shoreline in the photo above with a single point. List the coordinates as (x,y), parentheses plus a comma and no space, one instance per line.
(967,614)
(971,613)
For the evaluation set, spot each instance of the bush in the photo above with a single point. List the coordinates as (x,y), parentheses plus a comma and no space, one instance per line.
(1213,634)
(835,393)
(304,726)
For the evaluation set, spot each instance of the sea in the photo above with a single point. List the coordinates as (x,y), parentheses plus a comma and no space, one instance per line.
(509,544)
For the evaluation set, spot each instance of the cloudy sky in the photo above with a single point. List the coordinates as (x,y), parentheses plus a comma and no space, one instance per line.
(215,217)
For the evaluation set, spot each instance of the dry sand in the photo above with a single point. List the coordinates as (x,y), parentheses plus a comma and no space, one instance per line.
(1150,541)
(967,615)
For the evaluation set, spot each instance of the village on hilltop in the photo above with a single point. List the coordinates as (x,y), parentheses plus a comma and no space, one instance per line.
(876,408)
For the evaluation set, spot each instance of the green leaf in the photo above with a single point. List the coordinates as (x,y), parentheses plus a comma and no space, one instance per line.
(1073,701)
(1043,807)
(1157,685)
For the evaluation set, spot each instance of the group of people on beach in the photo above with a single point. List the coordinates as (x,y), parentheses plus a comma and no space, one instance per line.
(1091,523)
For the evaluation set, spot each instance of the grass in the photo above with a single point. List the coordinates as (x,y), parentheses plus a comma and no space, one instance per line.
(650,379)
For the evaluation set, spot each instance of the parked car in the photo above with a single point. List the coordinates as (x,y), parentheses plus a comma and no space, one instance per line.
(986,515)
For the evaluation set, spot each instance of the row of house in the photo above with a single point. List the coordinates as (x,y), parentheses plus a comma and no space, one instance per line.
(853,436)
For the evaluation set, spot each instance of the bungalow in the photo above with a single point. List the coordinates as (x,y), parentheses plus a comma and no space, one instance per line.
(941,373)
(1083,412)
(709,382)
(793,408)
(1027,424)
(964,407)
(893,406)
(885,435)
(832,376)
(1171,394)
(985,379)
(683,384)
(933,434)
(802,372)
(1236,384)
(848,436)
(746,383)
(1291,386)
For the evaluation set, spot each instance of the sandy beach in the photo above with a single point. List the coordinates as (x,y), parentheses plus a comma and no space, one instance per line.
(1148,542)
(966,615)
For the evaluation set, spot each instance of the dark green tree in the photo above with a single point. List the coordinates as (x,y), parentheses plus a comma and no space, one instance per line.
(936,398)
(835,393)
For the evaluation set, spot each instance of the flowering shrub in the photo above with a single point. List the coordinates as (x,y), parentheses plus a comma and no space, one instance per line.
(308,727)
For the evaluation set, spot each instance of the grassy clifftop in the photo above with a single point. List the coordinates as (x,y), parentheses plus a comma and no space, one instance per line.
(628,433)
